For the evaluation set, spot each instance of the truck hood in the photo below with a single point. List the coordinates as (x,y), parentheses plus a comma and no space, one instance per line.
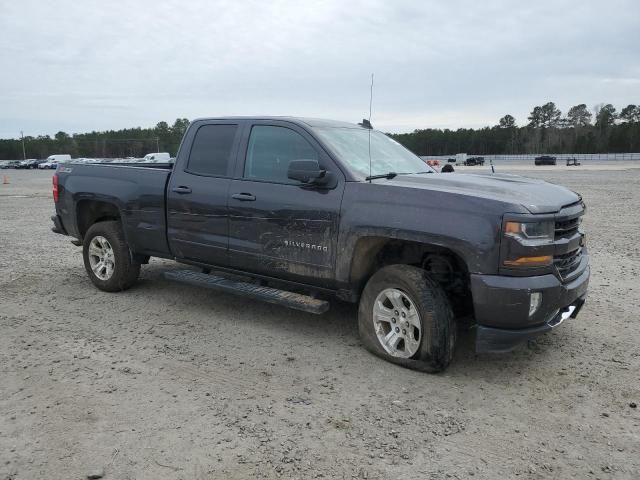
(537,196)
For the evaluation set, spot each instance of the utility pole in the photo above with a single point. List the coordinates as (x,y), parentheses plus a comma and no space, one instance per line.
(157,144)
(24,154)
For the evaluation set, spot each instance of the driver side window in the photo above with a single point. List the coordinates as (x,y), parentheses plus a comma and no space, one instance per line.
(271,149)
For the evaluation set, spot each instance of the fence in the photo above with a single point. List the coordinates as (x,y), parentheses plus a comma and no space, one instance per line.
(561,157)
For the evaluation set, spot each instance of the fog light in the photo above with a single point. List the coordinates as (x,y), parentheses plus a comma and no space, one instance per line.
(534,303)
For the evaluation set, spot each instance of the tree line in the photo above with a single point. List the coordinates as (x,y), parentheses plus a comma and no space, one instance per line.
(128,142)
(601,130)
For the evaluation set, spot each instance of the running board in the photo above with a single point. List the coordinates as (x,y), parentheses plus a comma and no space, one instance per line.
(296,301)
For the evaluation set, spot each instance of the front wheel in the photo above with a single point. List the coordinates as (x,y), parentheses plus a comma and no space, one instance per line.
(405,318)
(107,258)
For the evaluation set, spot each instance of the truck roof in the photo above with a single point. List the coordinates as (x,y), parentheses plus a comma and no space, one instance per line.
(304,121)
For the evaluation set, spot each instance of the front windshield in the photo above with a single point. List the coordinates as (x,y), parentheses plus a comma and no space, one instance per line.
(351,145)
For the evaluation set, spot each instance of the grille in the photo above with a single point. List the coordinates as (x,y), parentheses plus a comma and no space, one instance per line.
(567,232)
(568,263)
(565,228)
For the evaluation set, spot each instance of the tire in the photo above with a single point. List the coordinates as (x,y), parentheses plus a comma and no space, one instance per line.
(123,271)
(438,331)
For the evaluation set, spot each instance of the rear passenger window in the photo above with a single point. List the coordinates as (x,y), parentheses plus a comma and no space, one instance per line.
(211,150)
(271,149)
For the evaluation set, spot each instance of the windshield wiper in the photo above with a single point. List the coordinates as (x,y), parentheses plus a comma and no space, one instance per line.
(388,176)
(391,175)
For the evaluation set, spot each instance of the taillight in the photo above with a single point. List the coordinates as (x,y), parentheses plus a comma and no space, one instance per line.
(55,188)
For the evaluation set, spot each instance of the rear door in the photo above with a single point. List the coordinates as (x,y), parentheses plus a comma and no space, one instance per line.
(197,213)
(277,226)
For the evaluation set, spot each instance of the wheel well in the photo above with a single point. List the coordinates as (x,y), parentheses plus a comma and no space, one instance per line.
(92,211)
(444,266)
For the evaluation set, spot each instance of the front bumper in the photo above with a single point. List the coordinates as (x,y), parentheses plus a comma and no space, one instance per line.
(501,306)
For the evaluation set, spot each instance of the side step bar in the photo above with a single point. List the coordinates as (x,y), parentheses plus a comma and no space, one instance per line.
(296,301)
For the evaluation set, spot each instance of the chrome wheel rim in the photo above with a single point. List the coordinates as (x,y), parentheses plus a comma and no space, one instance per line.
(397,323)
(101,258)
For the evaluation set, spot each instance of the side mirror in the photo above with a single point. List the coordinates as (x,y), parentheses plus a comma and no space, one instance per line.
(307,171)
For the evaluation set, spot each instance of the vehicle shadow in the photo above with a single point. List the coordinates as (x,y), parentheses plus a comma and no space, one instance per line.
(337,326)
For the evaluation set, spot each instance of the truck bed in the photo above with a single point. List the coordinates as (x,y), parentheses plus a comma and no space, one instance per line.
(138,191)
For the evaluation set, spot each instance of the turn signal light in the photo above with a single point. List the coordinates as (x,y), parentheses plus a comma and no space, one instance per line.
(512,227)
(541,261)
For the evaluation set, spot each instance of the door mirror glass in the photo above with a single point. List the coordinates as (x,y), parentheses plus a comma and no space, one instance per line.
(307,171)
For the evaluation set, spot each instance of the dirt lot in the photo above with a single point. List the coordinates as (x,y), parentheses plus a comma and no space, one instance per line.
(169,381)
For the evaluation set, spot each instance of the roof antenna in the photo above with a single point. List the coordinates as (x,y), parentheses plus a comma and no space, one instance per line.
(367,123)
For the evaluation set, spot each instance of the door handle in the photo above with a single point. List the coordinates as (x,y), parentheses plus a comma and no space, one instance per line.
(244,197)
(181,189)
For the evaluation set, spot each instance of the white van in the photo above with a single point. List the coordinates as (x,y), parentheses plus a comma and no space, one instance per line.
(53,160)
(163,157)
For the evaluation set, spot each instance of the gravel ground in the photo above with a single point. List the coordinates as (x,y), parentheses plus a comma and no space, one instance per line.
(169,381)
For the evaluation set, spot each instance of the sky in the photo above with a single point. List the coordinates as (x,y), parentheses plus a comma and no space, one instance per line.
(79,66)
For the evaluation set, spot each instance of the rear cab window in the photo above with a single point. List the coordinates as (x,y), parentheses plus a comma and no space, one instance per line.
(211,150)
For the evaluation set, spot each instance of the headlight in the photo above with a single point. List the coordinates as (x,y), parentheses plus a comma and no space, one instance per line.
(528,244)
(530,233)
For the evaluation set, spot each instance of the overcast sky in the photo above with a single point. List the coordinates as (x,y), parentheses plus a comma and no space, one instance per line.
(86,65)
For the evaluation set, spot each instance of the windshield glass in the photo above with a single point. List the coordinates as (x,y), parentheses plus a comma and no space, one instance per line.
(351,145)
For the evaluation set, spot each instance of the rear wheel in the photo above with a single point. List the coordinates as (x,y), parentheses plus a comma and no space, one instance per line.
(107,258)
(405,318)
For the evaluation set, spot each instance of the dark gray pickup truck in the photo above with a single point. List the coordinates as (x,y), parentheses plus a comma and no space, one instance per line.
(296,211)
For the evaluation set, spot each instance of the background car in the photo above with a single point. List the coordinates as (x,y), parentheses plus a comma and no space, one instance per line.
(161,157)
(28,164)
(53,160)
(473,161)
(11,164)
(48,165)
(545,160)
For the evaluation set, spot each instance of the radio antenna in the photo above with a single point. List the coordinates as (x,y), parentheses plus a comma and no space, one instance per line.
(370,127)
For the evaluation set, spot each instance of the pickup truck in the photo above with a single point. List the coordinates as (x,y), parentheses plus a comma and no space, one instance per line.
(473,161)
(299,211)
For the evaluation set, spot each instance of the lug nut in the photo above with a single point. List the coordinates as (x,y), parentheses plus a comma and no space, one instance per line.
(393,319)
(404,314)
(397,330)
(404,332)
(396,312)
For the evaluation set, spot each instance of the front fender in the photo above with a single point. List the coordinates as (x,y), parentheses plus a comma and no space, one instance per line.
(460,224)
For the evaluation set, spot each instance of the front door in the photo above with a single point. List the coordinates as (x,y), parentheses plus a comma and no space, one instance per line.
(197,212)
(278,226)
